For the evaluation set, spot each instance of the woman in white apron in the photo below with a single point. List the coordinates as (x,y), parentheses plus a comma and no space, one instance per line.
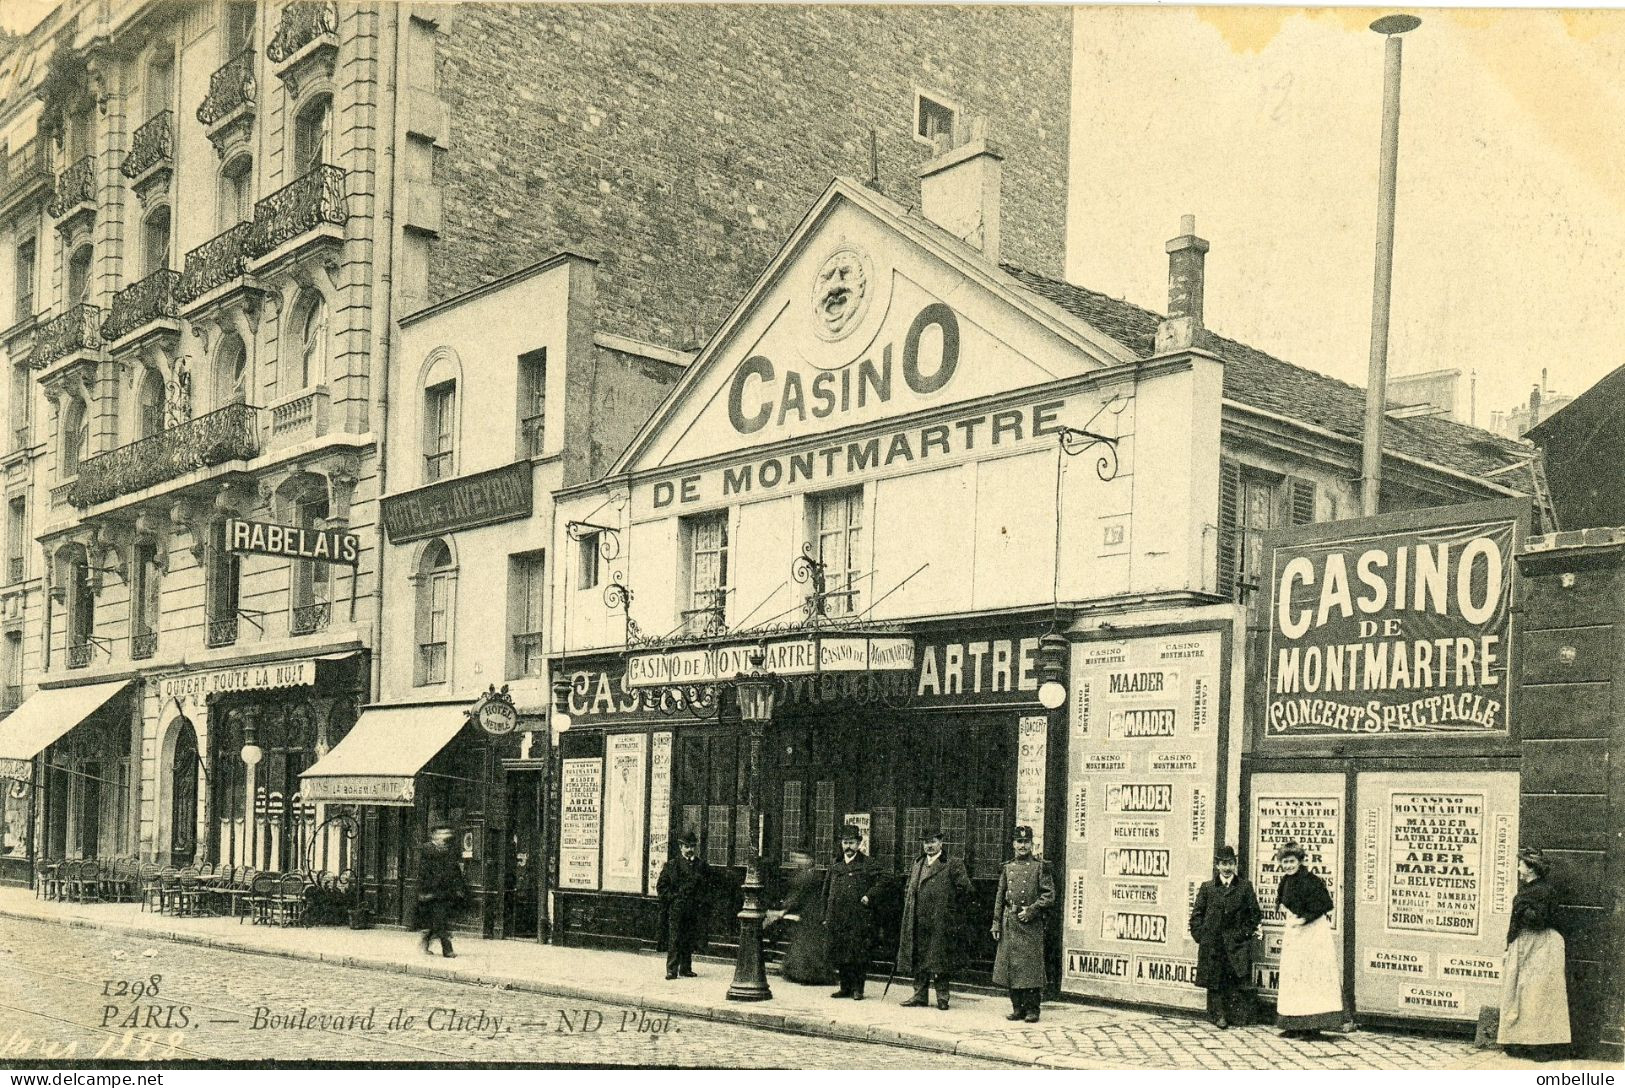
(1534,988)
(1311,988)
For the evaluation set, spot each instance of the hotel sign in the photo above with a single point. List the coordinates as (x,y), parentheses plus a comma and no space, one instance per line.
(467,502)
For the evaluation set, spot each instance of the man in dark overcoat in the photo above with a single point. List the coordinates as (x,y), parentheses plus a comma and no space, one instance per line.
(853,888)
(931,939)
(1020,909)
(1224,922)
(441,890)
(684,889)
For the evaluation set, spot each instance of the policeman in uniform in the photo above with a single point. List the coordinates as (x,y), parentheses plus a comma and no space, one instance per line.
(1020,908)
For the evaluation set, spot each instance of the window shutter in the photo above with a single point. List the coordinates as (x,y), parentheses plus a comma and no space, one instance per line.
(1229,522)
(1300,501)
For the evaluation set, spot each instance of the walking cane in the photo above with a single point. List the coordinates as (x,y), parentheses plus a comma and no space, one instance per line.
(890,978)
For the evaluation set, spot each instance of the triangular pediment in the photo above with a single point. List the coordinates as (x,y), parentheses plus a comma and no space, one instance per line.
(867,314)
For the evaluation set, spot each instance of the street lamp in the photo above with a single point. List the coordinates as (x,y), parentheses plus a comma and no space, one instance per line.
(755,694)
(1052,651)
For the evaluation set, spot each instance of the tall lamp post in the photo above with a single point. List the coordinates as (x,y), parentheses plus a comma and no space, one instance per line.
(756,695)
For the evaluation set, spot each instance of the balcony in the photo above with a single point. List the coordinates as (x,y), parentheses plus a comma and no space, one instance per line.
(81,653)
(214,264)
(303,416)
(222,632)
(313,202)
(151,157)
(310,618)
(76,331)
(229,434)
(75,195)
(27,172)
(143,644)
(306,42)
(229,106)
(708,617)
(147,302)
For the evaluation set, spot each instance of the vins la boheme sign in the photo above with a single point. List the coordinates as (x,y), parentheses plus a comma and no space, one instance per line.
(1392,625)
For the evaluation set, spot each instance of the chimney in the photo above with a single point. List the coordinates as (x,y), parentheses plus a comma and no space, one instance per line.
(959,191)
(1187,258)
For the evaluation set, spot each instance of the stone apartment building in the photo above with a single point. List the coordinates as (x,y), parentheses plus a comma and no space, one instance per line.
(214,216)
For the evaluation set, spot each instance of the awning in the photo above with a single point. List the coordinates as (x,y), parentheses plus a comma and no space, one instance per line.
(377,761)
(45,717)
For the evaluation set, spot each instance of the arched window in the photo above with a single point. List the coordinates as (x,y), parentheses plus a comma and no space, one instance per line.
(231,372)
(434,612)
(155,240)
(313,135)
(79,274)
(149,405)
(236,203)
(312,580)
(307,363)
(75,436)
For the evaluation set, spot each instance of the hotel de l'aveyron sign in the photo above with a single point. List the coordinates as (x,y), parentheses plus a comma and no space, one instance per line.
(1394,625)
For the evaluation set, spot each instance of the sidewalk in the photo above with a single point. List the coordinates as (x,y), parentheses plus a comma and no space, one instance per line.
(1070,1036)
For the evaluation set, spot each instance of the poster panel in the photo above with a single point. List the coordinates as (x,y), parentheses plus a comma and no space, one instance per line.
(1430,939)
(862,821)
(1382,628)
(1307,809)
(1032,737)
(659,806)
(580,805)
(1142,776)
(626,756)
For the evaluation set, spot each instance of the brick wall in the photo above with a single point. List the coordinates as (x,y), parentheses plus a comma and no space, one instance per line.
(681,145)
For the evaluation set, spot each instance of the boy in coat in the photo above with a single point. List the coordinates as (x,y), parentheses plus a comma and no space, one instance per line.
(683,887)
(1026,893)
(1224,923)
(931,938)
(854,885)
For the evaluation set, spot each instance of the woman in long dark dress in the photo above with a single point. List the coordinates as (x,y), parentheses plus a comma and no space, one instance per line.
(1311,989)
(1534,987)
(807,959)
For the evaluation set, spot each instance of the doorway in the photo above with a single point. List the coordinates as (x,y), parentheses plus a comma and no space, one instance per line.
(183,797)
(525,871)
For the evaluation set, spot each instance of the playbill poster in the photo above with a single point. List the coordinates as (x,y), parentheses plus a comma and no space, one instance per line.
(580,822)
(626,766)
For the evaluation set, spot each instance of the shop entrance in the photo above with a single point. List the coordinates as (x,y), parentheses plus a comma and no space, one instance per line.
(183,798)
(525,874)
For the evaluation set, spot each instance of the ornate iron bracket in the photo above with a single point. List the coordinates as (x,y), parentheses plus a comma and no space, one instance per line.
(609,540)
(619,596)
(804,569)
(1075,440)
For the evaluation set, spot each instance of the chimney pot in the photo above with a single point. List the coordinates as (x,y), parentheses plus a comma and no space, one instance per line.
(960,191)
(1187,258)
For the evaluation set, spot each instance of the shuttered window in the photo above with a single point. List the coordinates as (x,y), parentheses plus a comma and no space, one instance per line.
(1251,503)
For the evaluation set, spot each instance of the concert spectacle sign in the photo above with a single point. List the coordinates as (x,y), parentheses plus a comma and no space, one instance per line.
(1394,625)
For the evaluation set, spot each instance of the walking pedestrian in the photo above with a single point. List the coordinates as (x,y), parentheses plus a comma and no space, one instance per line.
(1224,922)
(1020,907)
(806,961)
(854,886)
(1534,987)
(1310,996)
(930,941)
(441,890)
(684,889)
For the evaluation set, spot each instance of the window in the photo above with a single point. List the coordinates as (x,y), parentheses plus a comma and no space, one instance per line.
(231,372)
(223,575)
(526,578)
(75,436)
(307,362)
(587,561)
(79,137)
(146,578)
(22,399)
(26,255)
(239,25)
(1251,503)
(79,275)
(312,581)
(532,402)
(155,240)
(439,431)
(150,405)
(161,80)
(13,669)
(16,537)
(435,575)
(835,529)
(933,118)
(236,203)
(312,135)
(81,612)
(707,552)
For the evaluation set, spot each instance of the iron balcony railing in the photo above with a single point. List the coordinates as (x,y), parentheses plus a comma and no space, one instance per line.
(28,166)
(143,644)
(74,186)
(231,86)
(152,145)
(227,434)
(214,263)
(80,654)
(140,304)
(310,618)
(297,208)
(432,662)
(79,328)
(528,659)
(14,570)
(302,23)
(222,632)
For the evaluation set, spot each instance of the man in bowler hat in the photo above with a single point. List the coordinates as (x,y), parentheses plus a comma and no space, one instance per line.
(1224,922)
(684,886)
(851,892)
(1020,907)
(930,942)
